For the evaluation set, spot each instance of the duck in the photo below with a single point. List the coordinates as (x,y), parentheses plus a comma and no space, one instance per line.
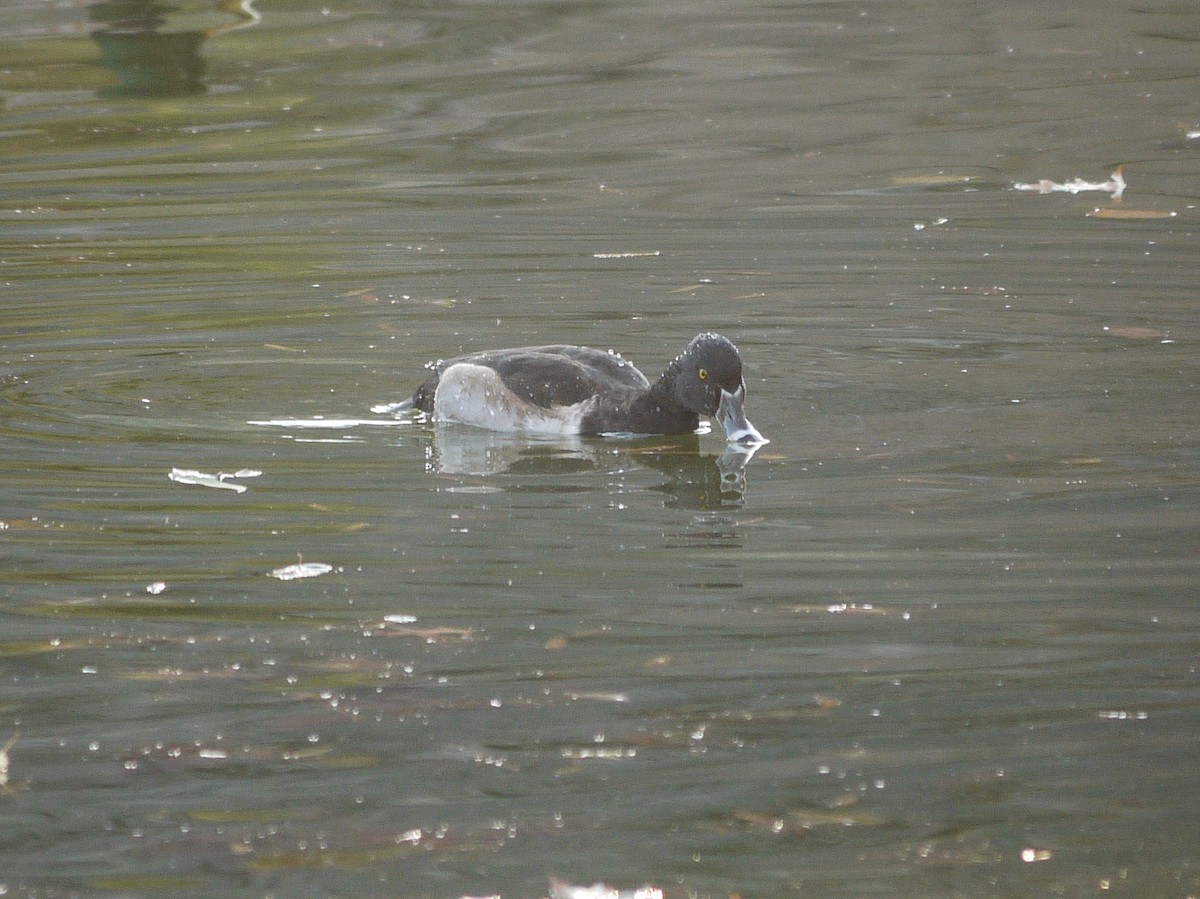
(575,390)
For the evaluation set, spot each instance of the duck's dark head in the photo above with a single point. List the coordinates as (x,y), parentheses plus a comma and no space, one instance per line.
(706,378)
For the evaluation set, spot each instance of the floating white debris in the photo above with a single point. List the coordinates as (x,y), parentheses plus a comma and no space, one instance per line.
(221,480)
(400,619)
(4,759)
(1115,185)
(156,588)
(240,473)
(629,255)
(560,890)
(299,570)
(613,753)
(598,697)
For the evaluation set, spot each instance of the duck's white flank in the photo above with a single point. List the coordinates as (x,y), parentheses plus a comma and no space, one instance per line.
(475,395)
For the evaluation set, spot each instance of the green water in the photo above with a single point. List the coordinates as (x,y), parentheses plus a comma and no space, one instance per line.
(938,638)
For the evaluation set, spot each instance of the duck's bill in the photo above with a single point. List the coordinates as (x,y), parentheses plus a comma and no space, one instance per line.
(731,414)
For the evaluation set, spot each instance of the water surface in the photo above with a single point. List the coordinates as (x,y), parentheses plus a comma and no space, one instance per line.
(938,638)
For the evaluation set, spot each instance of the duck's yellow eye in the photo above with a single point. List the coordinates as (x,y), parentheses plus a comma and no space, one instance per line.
(702,374)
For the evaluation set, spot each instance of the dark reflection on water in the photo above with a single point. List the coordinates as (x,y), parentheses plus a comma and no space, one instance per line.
(151,64)
(938,638)
(691,480)
(149,57)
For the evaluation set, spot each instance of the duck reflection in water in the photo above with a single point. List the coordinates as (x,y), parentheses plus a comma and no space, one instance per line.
(147,55)
(692,480)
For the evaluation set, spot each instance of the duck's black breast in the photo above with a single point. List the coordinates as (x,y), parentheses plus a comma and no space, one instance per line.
(635,412)
(546,377)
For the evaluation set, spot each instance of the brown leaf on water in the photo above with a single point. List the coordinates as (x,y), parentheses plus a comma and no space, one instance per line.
(930,180)
(22,524)
(1130,214)
(1135,333)
(366,295)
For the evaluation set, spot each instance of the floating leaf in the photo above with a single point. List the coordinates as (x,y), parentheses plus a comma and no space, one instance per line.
(428,634)
(1131,214)
(240,473)
(1030,854)
(299,570)
(12,741)
(220,481)
(1135,333)
(1115,185)
(929,180)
